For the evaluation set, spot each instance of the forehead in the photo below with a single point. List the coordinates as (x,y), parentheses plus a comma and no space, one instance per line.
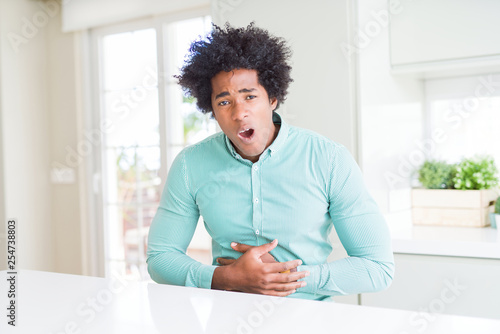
(235,80)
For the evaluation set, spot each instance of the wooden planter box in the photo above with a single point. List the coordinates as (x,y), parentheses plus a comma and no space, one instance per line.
(449,207)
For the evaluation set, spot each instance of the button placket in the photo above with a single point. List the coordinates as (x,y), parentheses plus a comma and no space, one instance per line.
(257,201)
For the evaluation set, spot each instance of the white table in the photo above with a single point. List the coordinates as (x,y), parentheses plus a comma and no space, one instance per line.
(60,303)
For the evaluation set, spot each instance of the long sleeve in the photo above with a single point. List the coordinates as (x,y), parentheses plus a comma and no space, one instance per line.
(361,229)
(171,232)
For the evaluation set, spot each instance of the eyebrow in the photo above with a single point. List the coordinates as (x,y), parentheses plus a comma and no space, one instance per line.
(244,90)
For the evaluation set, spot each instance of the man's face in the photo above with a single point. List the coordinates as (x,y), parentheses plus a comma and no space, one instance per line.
(244,111)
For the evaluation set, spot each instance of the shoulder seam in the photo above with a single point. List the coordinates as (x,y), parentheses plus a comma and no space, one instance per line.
(184,172)
(330,172)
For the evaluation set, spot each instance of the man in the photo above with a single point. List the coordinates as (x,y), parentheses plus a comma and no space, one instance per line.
(261,180)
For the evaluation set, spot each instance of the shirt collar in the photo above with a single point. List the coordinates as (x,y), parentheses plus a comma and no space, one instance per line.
(282,134)
(275,145)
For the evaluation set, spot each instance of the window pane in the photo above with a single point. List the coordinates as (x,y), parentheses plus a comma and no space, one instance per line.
(122,163)
(132,156)
(129,59)
(197,126)
(148,213)
(127,232)
(148,182)
(187,125)
(117,218)
(181,35)
(131,148)
(133,175)
(133,116)
(467,133)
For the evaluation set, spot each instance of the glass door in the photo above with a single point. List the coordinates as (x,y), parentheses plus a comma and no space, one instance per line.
(150,120)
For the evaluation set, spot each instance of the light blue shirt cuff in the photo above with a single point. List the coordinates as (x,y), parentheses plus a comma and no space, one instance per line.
(312,280)
(202,277)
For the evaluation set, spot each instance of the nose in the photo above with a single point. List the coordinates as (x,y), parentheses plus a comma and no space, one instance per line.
(240,110)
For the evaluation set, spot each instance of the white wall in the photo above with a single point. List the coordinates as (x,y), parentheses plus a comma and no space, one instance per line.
(319,99)
(3,249)
(26,136)
(391,111)
(63,111)
(38,123)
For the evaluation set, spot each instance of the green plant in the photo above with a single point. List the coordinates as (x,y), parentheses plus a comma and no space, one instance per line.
(436,175)
(476,173)
(497,206)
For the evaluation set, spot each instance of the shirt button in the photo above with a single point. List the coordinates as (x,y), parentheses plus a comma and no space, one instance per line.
(256,168)
(256,200)
(256,231)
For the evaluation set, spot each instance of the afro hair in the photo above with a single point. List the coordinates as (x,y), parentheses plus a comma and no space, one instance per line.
(228,48)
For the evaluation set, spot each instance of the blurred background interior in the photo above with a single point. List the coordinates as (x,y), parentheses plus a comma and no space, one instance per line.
(91,117)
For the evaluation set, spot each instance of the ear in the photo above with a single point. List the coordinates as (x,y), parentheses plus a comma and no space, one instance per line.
(274,103)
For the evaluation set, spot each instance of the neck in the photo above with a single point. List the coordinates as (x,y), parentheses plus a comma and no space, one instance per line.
(271,140)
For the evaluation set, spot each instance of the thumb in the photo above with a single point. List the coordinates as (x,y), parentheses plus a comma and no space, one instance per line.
(242,248)
(265,248)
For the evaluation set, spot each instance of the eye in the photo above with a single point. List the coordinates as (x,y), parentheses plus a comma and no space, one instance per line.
(223,103)
(251,97)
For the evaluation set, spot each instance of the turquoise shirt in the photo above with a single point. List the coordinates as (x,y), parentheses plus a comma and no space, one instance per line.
(302,184)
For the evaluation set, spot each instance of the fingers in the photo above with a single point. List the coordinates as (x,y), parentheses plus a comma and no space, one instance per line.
(242,248)
(283,287)
(257,271)
(268,258)
(277,293)
(293,277)
(280,267)
(225,262)
(265,248)
(282,284)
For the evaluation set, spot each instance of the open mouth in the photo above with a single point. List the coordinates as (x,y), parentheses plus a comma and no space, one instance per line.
(246,135)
